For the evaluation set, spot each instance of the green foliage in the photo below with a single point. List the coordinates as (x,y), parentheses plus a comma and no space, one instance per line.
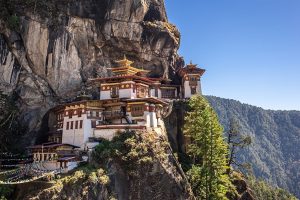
(263,191)
(83,174)
(13,22)
(5,192)
(10,128)
(236,141)
(11,9)
(207,150)
(99,177)
(8,14)
(273,154)
(130,149)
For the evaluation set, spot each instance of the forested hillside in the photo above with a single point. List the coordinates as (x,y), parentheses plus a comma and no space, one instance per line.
(274,153)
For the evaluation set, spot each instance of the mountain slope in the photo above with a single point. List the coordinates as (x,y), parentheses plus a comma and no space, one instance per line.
(274,152)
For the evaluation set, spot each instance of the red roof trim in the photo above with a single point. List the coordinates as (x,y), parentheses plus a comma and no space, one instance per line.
(120,127)
(50,145)
(151,99)
(122,77)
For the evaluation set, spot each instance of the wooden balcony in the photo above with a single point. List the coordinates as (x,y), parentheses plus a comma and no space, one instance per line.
(115,114)
(193,83)
(168,93)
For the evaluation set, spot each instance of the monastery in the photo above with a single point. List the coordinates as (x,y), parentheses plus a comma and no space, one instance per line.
(128,100)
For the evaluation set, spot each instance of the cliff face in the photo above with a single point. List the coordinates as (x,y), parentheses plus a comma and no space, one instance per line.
(58,45)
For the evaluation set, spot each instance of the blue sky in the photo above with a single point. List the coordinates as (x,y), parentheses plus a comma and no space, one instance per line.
(250,48)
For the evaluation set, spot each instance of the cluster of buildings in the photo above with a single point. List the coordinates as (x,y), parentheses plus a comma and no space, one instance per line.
(128,100)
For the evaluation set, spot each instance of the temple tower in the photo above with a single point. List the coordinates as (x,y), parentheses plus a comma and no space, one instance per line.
(191,80)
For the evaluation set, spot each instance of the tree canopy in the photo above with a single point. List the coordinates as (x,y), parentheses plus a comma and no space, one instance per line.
(207,150)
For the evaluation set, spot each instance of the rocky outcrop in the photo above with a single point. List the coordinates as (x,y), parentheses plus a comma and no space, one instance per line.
(144,168)
(60,44)
(174,125)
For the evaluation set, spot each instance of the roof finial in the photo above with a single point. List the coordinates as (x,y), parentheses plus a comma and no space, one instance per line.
(191,62)
(125,58)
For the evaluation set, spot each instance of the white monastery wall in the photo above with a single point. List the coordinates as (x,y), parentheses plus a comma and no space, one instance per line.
(187,89)
(77,136)
(87,130)
(153,119)
(127,93)
(105,95)
(107,134)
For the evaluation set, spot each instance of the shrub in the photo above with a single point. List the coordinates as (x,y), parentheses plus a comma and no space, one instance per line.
(131,149)
(13,22)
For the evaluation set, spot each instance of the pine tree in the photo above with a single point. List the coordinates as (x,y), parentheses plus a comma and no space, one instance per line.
(208,151)
(236,141)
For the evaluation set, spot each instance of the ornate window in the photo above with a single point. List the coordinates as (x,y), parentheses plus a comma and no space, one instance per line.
(142,91)
(70,114)
(93,124)
(114,92)
(76,124)
(193,90)
(137,110)
(194,80)
(80,124)
(168,93)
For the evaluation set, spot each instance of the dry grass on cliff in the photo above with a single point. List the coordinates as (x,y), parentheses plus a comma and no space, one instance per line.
(81,183)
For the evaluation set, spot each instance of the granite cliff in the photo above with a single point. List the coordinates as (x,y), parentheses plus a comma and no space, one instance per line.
(49,49)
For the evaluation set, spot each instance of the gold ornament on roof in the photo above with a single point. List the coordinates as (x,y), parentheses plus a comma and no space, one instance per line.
(124,62)
(125,68)
(191,65)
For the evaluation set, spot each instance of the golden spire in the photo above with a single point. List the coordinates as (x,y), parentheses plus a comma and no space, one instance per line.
(125,68)
(191,65)
(125,62)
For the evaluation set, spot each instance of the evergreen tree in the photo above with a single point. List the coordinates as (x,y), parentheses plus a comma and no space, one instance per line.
(208,151)
(235,142)
(10,128)
(263,191)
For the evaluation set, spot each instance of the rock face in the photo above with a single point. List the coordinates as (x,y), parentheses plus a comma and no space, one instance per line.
(60,44)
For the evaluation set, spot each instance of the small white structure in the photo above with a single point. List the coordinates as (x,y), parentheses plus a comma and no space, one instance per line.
(54,156)
(191,80)
(79,120)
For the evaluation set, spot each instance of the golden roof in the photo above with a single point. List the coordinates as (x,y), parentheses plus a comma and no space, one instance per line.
(191,69)
(125,68)
(191,65)
(124,62)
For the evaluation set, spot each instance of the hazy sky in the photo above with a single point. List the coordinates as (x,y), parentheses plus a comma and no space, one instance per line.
(250,48)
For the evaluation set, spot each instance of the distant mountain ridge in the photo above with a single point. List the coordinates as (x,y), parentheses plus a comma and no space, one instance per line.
(275,150)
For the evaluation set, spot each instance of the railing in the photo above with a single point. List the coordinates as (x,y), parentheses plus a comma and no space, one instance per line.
(113,114)
(115,95)
(168,94)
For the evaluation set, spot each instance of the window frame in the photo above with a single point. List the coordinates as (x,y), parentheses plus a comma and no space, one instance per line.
(137,110)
